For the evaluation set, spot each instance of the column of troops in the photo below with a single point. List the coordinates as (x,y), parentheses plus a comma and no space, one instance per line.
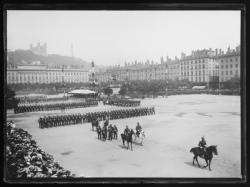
(40,99)
(31,99)
(70,119)
(52,106)
(122,102)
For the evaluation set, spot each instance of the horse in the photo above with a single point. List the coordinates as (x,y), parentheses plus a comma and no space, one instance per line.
(104,133)
(207,155)
(115,133)
(110,133)
(99,132)
(128,138)
(141,137)
(95,124)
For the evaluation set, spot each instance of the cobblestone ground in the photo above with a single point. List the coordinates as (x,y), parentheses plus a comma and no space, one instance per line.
(178,125)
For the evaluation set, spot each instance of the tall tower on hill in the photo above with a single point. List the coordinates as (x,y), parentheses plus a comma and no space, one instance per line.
(72,50)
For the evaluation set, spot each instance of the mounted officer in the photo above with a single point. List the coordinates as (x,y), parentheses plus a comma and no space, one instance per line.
(126,131)
(202,144)
(138,129)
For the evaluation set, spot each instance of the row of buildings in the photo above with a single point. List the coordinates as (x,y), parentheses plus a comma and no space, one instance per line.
(43,74)
(200,66)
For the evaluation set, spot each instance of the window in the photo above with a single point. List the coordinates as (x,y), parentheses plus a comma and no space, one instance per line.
(231,60)
(236,72)
(226,73)
(226,66)
(236,59)
(236,65)
(231,65)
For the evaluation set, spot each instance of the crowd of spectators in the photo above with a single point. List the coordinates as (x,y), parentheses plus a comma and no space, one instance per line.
(25,159)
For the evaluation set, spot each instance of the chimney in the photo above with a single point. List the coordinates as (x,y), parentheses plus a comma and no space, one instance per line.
(183,55)
(237,48)
(220,52)
(216,51)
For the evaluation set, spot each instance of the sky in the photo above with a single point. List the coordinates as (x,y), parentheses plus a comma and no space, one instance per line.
(113,37)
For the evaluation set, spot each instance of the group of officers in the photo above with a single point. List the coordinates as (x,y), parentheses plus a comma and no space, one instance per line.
(70,119)
(108,131)
(52,106)
(122,102)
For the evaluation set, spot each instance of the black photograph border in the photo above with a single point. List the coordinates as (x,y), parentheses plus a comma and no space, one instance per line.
(139,7)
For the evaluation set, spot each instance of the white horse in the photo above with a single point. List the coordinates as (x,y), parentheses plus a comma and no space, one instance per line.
(141,137)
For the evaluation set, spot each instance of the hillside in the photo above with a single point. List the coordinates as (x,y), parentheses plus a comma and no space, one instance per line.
(20,57)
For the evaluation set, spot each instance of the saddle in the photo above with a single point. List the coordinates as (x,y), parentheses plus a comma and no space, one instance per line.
(203,150)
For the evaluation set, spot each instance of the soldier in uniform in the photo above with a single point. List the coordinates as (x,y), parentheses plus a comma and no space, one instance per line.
(115,130)
(126,131)
(138,129)
(202,144)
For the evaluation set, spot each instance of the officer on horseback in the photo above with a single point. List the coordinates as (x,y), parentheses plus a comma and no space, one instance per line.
(126,131)
(138,129)
(202,144)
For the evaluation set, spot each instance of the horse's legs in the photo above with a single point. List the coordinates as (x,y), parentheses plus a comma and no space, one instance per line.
(193,159)
(206,162)
(197,161)
(209,162)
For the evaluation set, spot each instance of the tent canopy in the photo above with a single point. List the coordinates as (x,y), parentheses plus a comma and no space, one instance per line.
(81,92)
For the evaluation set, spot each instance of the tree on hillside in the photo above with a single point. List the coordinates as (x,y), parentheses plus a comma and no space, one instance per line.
(108,91)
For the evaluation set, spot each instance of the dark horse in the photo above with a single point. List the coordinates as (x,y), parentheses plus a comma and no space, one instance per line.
(104,133)
(110,133)
(128,138)
(208,155)
(99,132)
(95,124)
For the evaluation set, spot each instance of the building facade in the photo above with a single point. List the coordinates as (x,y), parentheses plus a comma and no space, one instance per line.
(229,64)
(201,66)
(43,74)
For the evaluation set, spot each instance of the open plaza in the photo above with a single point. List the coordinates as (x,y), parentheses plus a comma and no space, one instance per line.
(178,124)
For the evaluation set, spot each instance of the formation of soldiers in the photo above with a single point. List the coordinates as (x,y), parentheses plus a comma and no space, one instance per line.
(122,102)
(71,119)
(30,99)
(40,99)
(52,106)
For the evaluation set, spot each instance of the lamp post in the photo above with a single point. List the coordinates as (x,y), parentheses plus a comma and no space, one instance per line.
(63,84)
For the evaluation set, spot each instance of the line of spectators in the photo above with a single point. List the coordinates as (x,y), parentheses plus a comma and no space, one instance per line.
(25,159)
